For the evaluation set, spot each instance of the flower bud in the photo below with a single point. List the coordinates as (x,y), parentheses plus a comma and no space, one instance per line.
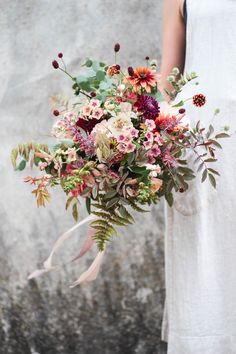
(56,112)
(117,47)
(130,71)
(55,64)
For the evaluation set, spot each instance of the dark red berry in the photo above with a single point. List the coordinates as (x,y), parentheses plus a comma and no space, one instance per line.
(117,47)
(93,94)
(60,55)
(147,58)
(117,66)
(55,64)
(56,112)
(181,190)
(182,111)
(130,71)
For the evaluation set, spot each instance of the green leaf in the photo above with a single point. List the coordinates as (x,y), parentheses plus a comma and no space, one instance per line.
(169,199)
(222,135)
(210,131)
(88,63)
(88,205)
(180,104)
(81,78)
(69,200)
(204,175)
(21,165)
(214,171)
(110,194)
(100,75)
(212,180)
(75,212)
(210,160)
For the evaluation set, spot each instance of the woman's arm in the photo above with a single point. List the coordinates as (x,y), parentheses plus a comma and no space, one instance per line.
(174,40)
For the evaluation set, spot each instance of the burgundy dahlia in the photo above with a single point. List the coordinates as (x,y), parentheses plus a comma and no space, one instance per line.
(86,125)
(148,106)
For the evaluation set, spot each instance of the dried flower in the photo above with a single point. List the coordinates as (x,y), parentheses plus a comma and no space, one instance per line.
(112,70)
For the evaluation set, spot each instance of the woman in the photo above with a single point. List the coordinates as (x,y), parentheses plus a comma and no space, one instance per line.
(200,244)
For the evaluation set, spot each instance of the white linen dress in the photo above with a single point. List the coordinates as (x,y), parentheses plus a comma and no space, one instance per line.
(200,239)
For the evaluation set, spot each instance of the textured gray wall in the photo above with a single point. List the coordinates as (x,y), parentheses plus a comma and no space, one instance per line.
(121,311)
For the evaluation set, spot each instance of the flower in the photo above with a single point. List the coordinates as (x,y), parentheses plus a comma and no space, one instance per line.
(71,155)
(55,64)
(150,124)
(117,47)
(117,124)
(130,71)
(94,103)
(56,112)
(199,100)
(170,119)
(156,184)
(148,106)
(113,70)
(143,78)
(97,113)
(86,125)
(86,110)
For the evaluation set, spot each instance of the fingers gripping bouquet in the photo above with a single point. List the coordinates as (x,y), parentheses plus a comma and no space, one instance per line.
(118,147)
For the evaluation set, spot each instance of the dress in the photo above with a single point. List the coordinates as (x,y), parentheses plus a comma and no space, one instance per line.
(200,238)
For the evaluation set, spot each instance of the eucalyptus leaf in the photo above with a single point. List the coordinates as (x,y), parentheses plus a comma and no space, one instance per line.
(21,165)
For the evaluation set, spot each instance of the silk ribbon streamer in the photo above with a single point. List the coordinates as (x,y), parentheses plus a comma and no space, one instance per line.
(92,272)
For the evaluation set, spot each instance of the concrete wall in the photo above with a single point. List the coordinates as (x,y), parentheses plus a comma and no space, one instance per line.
(121,311)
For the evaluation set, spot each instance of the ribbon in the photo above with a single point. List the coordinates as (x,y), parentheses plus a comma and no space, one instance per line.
(92,272)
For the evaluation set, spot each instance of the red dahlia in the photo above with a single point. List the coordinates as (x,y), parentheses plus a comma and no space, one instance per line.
(148,106)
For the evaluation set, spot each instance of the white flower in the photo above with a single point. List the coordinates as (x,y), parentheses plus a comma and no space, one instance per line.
(118,123)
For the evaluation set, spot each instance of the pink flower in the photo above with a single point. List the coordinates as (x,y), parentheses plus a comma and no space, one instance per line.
(149,136)
(169,160)
(97,113)
(155,150)
(134,132)
(130,147)
(86,110)
(147,144)
(94,103)
(121,138)
(150,124)
(156,184)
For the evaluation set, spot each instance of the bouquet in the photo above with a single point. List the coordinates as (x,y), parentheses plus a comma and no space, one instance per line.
(120,147)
